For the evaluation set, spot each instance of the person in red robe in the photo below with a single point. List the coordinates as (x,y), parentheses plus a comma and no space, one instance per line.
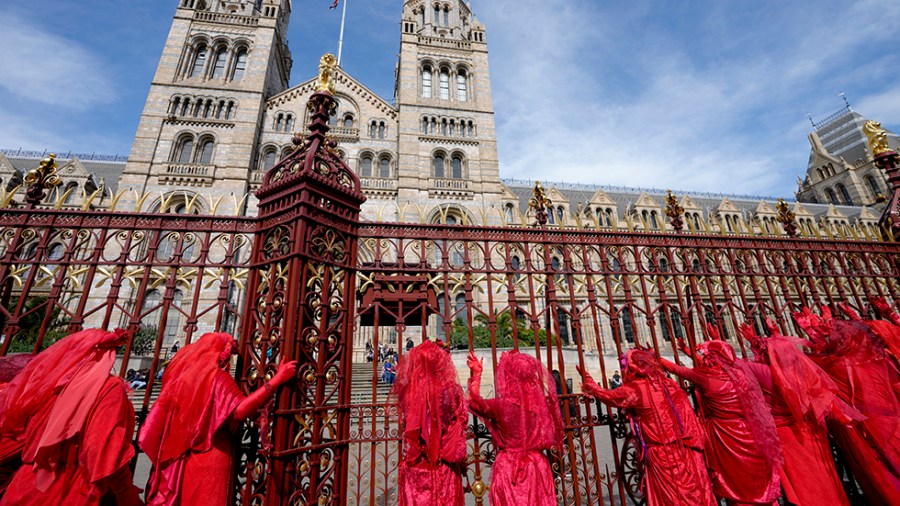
(670,434)
(801,396)
(742,448)
(887,329)
(10,367)
(189,433)
(433,417)
(71,423)
(852,357)
(525,421)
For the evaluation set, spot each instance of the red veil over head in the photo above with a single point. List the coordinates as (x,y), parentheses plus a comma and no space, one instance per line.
(525,382)
(179,420)
(719,355)
(68,376)
(432,406)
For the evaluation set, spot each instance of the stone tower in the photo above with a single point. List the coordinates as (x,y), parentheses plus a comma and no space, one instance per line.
(221,61)
(447,145)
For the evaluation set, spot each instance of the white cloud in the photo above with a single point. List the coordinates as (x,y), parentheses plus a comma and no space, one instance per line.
(45,67)
(586,93)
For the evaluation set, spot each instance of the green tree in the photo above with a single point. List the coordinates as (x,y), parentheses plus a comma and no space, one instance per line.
(30,325)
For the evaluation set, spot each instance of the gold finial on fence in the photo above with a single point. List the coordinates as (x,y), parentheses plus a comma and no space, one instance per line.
(540,203)
(40,179)
(787,218)
(674,211)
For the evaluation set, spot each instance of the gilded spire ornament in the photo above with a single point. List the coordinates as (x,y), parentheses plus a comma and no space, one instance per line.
(327,73)
(787,218)
(41,179)
(674,211)
(539,203)
(878,143)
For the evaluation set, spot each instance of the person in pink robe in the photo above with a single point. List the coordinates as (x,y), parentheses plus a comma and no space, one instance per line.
(801,396)
(670,434)
(743,449)
(433,417)
(525,421)
(854,359)
(71,423)
(189,433)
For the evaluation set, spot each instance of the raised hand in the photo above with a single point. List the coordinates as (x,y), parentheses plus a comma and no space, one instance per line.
(713,331)
(849,312)
(286,372)
(683,347)
(475,364)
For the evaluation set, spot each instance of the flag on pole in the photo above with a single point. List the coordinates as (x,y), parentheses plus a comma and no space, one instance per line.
(335,4)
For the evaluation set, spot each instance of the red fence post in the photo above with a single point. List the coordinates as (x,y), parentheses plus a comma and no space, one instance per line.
(300,304)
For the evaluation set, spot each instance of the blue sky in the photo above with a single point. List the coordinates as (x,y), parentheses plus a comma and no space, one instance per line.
(707,95)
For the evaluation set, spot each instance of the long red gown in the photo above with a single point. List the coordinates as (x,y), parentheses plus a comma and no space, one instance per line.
(808,476)
(864,381)
(93,465)
(188,433)
(524,421)
(71,424)
(434,415)
(742,473)
(676,472)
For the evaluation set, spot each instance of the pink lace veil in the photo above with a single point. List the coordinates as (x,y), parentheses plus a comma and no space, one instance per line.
(432,407)
(523,381)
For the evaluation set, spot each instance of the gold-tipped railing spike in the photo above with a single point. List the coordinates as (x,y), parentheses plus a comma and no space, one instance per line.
(214,205)
(115,200)
(88,202)
(239,203)
(7,197)
(191,201)
(139,200)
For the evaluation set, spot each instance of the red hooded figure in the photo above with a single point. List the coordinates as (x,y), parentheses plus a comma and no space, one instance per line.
(71,423)
(188,435)
(801,396)
(433,417)
(671,436)
(743,449)
(852,357)
(525,421)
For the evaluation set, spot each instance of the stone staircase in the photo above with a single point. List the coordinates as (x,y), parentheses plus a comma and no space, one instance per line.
(361,391)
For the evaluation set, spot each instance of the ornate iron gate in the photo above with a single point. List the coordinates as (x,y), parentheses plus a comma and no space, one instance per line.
(570,296)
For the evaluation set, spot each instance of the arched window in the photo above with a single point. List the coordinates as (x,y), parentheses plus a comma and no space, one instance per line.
(437,15)
(438,165)
(560,212)
(445,84)
(460,307)
(219,67)
(456,167)
(510,213)
(444,127)
(373,129)
(446,17)
(279,122)
(173,318)
(845,195)
(516,265)
(471,129)
(461,88)
(348,121)
(832,198)
(381,130)
(426,82)
(184,150)
(670,317)
(151,303)
(654,222)
(269,159)
(289,123)
(240,64)
(199,61)
(627,325)
(384,169)
(206,151)
(424,125)
(365,166)
(873,184)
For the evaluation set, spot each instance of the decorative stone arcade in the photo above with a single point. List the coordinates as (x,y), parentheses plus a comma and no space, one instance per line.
(300,301)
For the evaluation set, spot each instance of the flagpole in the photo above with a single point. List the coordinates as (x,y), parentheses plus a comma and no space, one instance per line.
(341,39)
